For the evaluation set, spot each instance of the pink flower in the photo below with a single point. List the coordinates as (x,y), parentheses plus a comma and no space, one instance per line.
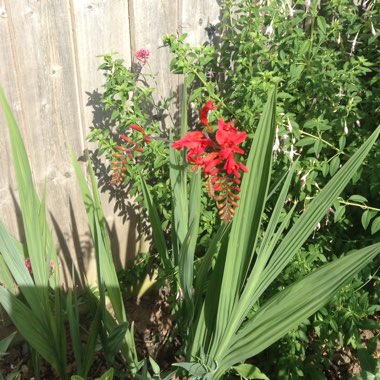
(142,55)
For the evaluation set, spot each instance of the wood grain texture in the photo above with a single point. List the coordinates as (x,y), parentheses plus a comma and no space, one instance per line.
(47,88)
(8,81)
(150,21)
(48,68)
(102,27)
(196,16)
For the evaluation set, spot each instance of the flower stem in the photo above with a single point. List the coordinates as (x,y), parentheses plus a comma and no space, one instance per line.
(362,206)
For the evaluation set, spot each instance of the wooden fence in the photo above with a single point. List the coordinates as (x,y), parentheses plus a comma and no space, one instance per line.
(48,68)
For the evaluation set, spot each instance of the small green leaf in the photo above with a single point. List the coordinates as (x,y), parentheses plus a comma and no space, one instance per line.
(334,165)
(295,72)
(115,114)
(108,375)
(4,344)
(367,217)
(317,147)
(358,198)
(321,24)
(342,142)
(375,225)
(309,124)
(155,367)
(334,325)
(325,168)
(189,79)
(249,371)
(306,141)
(194,369)
(339,212)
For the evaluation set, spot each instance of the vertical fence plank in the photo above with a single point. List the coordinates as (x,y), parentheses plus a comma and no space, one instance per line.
(48,68)
(46,80)
(150,21)
(102,27)
(196,17)
(9,84)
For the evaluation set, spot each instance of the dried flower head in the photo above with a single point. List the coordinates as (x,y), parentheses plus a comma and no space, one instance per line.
(130,147)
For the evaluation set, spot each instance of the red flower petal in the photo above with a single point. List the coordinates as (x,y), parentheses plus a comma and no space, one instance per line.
(203,115)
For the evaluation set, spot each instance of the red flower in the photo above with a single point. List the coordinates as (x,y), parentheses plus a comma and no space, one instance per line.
(211,161)
(203,115)
(137,128)
(228,137)
(197,143)
(233,167)
(192,140)
(215,152)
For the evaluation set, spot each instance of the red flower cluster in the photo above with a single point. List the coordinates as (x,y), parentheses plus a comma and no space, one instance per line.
(216,154)
(126,153)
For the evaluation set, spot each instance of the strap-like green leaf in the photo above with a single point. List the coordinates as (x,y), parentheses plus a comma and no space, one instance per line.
(316,210)
(41,250)
(186,257)
(73,319)
(4,343)
(247,221)
(29,203)
(158,235)
(13,256)
(32,330)
(178,184)
(293,305)
(5,276)
(106,269)
(267,245)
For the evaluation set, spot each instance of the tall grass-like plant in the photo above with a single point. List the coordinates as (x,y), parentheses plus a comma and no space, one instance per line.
(39,319)
(30,290)
(119,335)
(227,321)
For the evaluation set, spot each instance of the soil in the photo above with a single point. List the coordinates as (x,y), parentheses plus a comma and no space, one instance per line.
(153,324)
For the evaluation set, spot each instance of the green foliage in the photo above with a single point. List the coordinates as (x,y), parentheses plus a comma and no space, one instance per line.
(4,344)
(242,286)
(247,263)
(128,99)
(324,61)
(31,291)
(38,313)
(118,336)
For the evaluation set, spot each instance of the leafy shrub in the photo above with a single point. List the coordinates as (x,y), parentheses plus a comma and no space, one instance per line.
(324,61)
